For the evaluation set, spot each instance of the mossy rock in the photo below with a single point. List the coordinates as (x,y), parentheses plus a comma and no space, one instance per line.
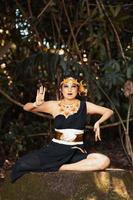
(104,185)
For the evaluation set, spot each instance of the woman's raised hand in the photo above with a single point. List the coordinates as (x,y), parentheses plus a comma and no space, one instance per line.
(40,96)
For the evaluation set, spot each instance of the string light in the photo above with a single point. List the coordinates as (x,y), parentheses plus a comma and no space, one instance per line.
(3,65)
(1,30)
(65,58)
(84,55)
(52,50)
(85,59)
(13,46)
(7,32)
(39,44)
(2,42)
(5,72)
(61,52)
(10,83)
(81,74)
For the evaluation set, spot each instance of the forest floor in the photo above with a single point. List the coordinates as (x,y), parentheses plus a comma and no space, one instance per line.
(112,147)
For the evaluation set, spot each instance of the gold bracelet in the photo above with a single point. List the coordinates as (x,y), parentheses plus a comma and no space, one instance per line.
(35,104)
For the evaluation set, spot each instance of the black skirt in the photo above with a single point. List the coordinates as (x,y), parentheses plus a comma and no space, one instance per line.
(47,159)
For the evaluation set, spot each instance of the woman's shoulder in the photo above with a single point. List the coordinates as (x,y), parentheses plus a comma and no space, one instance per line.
(51,103)
(48,106)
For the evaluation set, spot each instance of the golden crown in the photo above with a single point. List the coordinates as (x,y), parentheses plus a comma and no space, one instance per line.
(81,85)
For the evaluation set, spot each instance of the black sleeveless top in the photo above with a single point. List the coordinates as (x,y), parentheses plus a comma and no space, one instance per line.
(74,121)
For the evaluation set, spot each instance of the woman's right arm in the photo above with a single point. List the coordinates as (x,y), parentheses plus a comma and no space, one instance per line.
(46,106)
(40,105)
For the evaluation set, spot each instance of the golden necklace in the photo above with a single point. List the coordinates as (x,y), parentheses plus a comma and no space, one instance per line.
(68,109)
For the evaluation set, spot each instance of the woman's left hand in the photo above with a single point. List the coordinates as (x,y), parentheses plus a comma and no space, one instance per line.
(97,131)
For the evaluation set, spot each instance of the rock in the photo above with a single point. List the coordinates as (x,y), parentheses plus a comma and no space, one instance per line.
(103,185)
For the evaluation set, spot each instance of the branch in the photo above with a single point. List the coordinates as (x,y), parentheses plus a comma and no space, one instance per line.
(71,29)
(50,117)
(21,105)
(45,8)
(4,49)
(102,7)
(81,25)
(123,145)
(89,127)
(29,8)
(58,29)
(107,45)
(128,31)
(107,96)
(31,16)
(34,26)
(10,99)
(111,125)
(123,5)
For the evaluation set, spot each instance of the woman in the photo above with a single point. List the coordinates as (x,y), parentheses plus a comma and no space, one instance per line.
(66,151)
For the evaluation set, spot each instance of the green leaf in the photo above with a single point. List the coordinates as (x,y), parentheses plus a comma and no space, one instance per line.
(130,72)
(115,10)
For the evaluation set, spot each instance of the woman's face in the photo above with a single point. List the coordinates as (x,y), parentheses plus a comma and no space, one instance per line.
(69,90)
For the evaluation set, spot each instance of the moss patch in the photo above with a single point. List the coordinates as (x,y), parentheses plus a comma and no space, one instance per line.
(104,185)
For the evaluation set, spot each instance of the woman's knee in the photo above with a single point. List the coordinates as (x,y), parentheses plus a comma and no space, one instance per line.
(102,161)
(105,162)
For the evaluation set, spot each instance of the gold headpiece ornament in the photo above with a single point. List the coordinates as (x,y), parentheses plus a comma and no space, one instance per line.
(81,85)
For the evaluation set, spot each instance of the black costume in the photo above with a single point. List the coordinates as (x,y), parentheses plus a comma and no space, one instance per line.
(52,157)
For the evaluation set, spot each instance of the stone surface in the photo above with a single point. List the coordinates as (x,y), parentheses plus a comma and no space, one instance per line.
(104,185)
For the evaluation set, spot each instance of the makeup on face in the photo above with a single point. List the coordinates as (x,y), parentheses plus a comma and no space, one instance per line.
(70,86)
(80,86)
(70,89)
